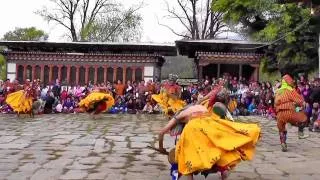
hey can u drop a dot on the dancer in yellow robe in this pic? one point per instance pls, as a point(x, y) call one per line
point(21, 101)
point(169, 97)
point(208, 143)
point(97, 102)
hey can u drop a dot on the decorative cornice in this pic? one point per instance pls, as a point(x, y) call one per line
point(228, 58)
point(83, 57)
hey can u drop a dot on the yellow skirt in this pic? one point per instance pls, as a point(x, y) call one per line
point(96, 97)
point(19, 103)
point(209, 141)
point(167, 103)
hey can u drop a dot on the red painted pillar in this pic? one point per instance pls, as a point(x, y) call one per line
point(124, 72)
point(87, 75)
point(77, 75)
point(33, 76)
point(95, 74)
point(142, 70)
point(59, 72)
point(24, 73)
point(114, 74)
point(68, 74)
point(133, 74)
point(105, 74)
point(17, 69)
point(50, 73)
point(42, 73)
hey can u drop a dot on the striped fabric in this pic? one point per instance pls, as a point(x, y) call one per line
point(288, 100)
point(289, 116)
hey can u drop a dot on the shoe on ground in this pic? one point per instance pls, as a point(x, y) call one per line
point(284, 147)
point(301, 135)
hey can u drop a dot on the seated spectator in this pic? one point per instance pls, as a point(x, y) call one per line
point(131, 106)
point(139, 105)
point(68, 106)
point(252, 108)
point(6, 109)
point(2, 99)
point(316, 124)
point(119, 106)
point(58, 108)
point(50, 100)
point(148, 108)
point(271, 112)
point(262, 108)
point(242, 108)
point(64, 95)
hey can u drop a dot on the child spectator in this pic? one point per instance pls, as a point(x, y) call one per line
point(148, 108)
point(64, 95)
point(68, 106)
point(252, 108)
point(131, 106)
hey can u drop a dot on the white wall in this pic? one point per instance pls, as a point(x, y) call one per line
point(11, 71)
point(12, 77)
point(148, 71)
point(11, 67)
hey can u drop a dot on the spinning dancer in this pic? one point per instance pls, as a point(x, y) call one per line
point(21, 101)
point(289, 108)
point(169, 97)
point(97, 101)
point(208, 143)
point(218, 99)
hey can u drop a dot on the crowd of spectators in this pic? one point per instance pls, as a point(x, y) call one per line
point(252, 98)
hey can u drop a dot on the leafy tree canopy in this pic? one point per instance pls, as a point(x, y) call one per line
point(289, 28)
point(25, 34)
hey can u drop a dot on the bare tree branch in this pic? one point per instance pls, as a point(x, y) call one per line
point(208, 10)
point(185, 13)
point(197, 18)
point(173, 31)
point(180, 18)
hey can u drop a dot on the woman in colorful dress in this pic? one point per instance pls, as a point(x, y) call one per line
point(169, 97)
point(97, 102)
point(208, 143)
point(21, 101)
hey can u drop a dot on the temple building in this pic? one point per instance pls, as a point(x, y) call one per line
point(82, 62)
point(76, 63)
point(214, 58)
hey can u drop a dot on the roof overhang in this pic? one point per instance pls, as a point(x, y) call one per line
point(92, 47)
point(190, 47)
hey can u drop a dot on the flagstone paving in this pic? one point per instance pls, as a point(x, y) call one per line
point(76, 147)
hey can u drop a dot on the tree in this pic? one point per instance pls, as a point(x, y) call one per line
point(288, 29)
point(25, 34)
point(3, 67)
point(87, 19)
point(196, 16)
point(117, 27)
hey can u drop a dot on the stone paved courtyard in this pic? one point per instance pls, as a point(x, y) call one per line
point(114, 148)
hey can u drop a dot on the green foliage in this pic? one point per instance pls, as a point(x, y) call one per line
point(116, 27)
point(289, 28)
point(25, 34)
point(3, 67)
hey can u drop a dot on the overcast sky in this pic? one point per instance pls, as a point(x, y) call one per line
point(20, 13)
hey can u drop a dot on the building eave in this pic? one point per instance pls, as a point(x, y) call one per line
point(91, 47)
